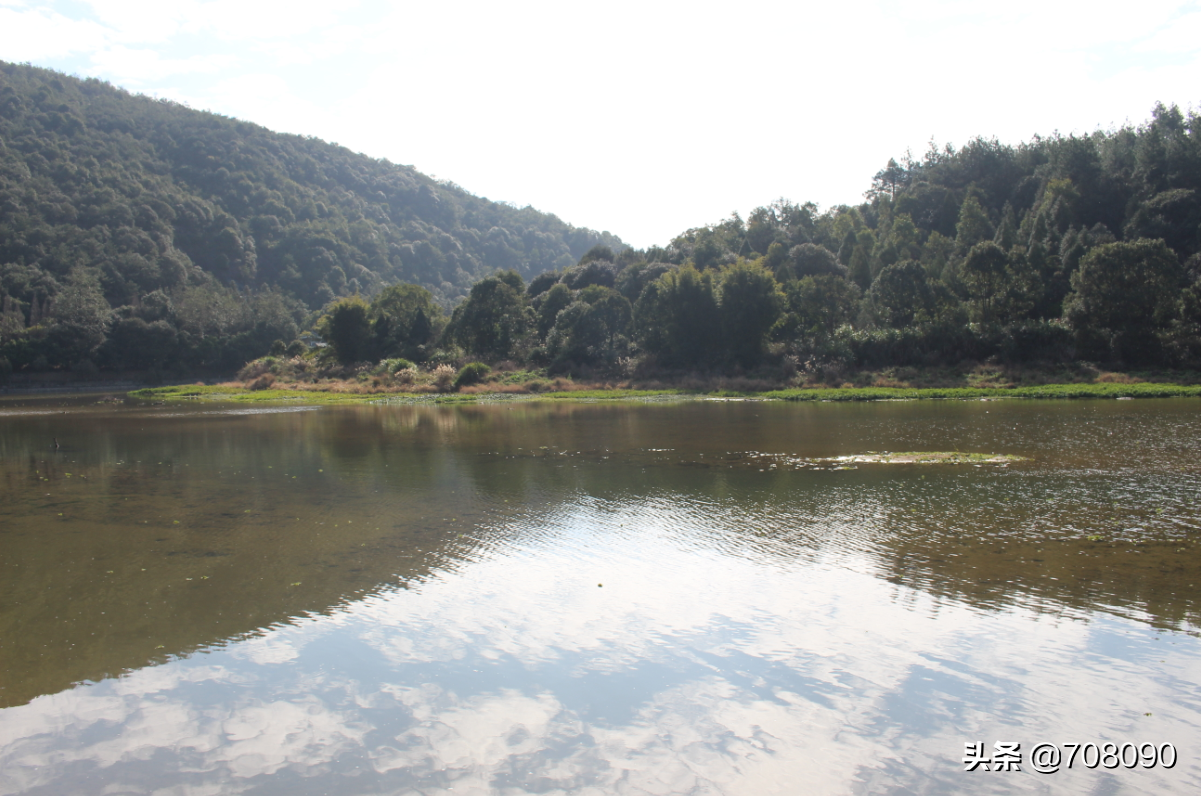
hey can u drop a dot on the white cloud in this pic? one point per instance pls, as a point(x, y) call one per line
point(274, 648)
point(1182, 35)
point(137, 67)
point(237, 20)
point(262, 739)
point(479, 733)
point(141, 21)
point(40, 34)
point(153, 22)
point(241, 739)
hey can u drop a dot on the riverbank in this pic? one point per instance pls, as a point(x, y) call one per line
point(289, 380)
point(239, 394)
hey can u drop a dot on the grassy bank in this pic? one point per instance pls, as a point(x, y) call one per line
point(1047, 391)
point(238, 394)
point(311, 380)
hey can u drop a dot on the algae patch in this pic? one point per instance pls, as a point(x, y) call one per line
point(928, 457)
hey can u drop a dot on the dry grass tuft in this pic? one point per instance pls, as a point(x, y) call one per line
point(493, 388)
point(444, 376)
point(1118, 378)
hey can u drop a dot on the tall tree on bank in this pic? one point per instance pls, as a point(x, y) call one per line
point(750, 303)
point(675, 317)
point(493, 319)
point(347, 329)
point(985, 273)
point(900, 296)
point(1123, 295)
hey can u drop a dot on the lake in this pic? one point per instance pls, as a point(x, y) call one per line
point(692, 597)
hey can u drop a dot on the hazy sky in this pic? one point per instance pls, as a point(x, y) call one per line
point(644, 118)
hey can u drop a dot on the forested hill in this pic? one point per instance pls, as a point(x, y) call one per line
point(147, 195)
point(1093, 240)
point(1077, 247)
point(136, 233)
point(1045, 202)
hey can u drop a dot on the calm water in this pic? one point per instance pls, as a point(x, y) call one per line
point(593, 599)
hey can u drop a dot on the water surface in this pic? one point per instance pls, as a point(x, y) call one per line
point(586, 598)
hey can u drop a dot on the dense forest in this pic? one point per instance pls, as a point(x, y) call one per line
point(1062, 248)
point(137, 233)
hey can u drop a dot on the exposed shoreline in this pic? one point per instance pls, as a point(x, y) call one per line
point(236, 394)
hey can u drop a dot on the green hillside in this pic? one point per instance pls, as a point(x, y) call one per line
point(136, 233)
point(1061, 247)
point(220, 231)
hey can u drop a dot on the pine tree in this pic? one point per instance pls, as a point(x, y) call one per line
point(973, 225)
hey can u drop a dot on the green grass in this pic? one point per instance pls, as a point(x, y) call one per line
point(609, 395)
point(968, 393)
point(448, 398)
point(1054, 391)
point(242, 395)
point(516, 376)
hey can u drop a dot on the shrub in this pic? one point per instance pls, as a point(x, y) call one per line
point(1036, 341)
point(472, 373)
point(442, 356)
point(396, 365)
point(443, 376)
point(256, 368)
point(263, 382)
point(405, 375)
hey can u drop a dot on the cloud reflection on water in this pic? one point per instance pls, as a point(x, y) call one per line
point(824, 632)
point(687, 672)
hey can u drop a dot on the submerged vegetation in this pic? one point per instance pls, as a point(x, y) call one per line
point(930, 457)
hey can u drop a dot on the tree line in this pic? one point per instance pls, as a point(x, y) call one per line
point(141, 234)
point(1061, 248)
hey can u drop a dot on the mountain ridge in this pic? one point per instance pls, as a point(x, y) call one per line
point(250, 206)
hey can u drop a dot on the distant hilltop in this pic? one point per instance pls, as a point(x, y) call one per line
point(151, 195)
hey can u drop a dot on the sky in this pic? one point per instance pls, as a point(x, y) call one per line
point(644, 119)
